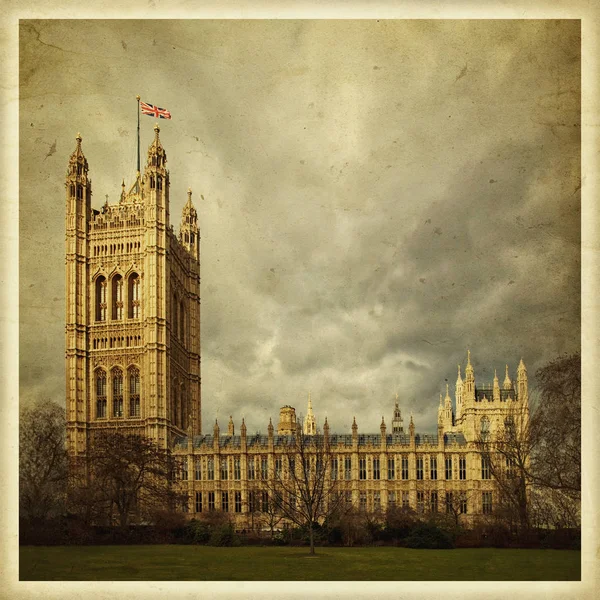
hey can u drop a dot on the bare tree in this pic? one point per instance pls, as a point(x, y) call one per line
point(126, 475)
point(42, 461)
point(304, 487)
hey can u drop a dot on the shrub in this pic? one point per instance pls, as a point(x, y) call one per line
point(427, 535)
point(224, 535)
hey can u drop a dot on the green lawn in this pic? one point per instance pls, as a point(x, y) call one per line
point(162, 563)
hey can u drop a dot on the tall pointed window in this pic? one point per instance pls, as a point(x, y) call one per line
point(485, 429)
point(181, 321)
point(100, 394)
point(134, 392)
point(175, 323)
point(134, 296)
point(101, 298)
point(184, 408)
point(117, 297)
point(175, 405)
point(117, 390)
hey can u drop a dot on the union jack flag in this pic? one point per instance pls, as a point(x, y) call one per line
point(154, 111)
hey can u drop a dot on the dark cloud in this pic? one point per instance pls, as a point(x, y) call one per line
point(361, 227)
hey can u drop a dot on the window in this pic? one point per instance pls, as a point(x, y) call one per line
point(449, 502)
point(252, 502)
point(377, 500)
point(405, 468)
point(448, 462)
point(462, 468)
point(117, 297)
point(101, 298)
point(292, 500)
point(362, 468)
point(420, 467)
point(405, 500)
point(391, 469)
point(185, 504)
point(348, 468)
point(211, 469)
point(264, 468)
point(509, 426)
point(117, 390)
point(485, 467)
point(291, 467)
point(486, 503)
point(376, 468)
point(198, 501)
point(363, 501)
point(225, 501)
point(462, 506)
point(238, 502)
point(197, 469)
point(237, 469)
point(433, 467)
point(510, 467)
point(278, 467)
point(224, 469)
point(392, 498)
point(211, 501)
point(420, 502)
point(485, 429)
point(334, 468)
point(265, 502)
point(251, 471)
point(348, 498)
point(133, 311)
point(433, 502)
point(181, 321)
point(184, 469)
point(100, 394)
point(134, 392)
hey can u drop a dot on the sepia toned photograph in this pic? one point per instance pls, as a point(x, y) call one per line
point(300, 300)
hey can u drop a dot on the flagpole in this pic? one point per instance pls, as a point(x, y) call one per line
point(138, 137)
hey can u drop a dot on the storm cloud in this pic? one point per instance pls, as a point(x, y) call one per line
point(374, 198)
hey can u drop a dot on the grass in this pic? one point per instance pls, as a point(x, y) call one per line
point(193, 563)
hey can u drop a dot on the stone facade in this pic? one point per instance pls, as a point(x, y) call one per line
point(133, 308)
point(374, 470)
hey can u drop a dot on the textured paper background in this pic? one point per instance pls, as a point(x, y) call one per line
point(589, 247)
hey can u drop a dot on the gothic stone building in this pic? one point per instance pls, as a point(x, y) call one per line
point(132, 309)
point(133, 363)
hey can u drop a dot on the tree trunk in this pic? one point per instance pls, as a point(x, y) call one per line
point(312, 538)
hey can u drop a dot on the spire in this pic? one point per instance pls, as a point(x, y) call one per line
point(447, 393)
point(469, 368)
point(507, 382)
point(354, 426)
point(310, 422)
point(270, 427)
point(157, 157)
point(521, 368)
point(230, 426)
point(458, 378)
point(243, 428)
point(216, 429)
point(441, 401)
point(78, 164)
point(188, 231)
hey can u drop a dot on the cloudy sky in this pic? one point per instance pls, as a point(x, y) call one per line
point(378, 196)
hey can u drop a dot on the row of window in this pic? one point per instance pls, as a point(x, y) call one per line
point(262, 502)
point(119, 306)
point(124, 247)
point(258, 468)
point(122, 396)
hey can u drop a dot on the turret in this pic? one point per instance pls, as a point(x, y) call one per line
point(411, 430)
point(216, 434)
point(230, 426)
point(496, 388)
point(243, 441)
point(447, 409)
point(156, 182)
point(469, 384)
point(441, 410)
point(189, 234)
point(507, 385)
point(459, 395)
point(522, 392)
point(310, 423)
point(383, 429)
point(397, 423)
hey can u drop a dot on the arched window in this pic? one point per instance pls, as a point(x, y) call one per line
point(509, 425)
point(134, 296)
point(134, 392)
point(181, 321)
point(101, 298)
point(175, 404)
point(117, 390)
point(184, 408)
point(485, 428)
point(117, 297)
point(175, 323)
point(100, 394)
